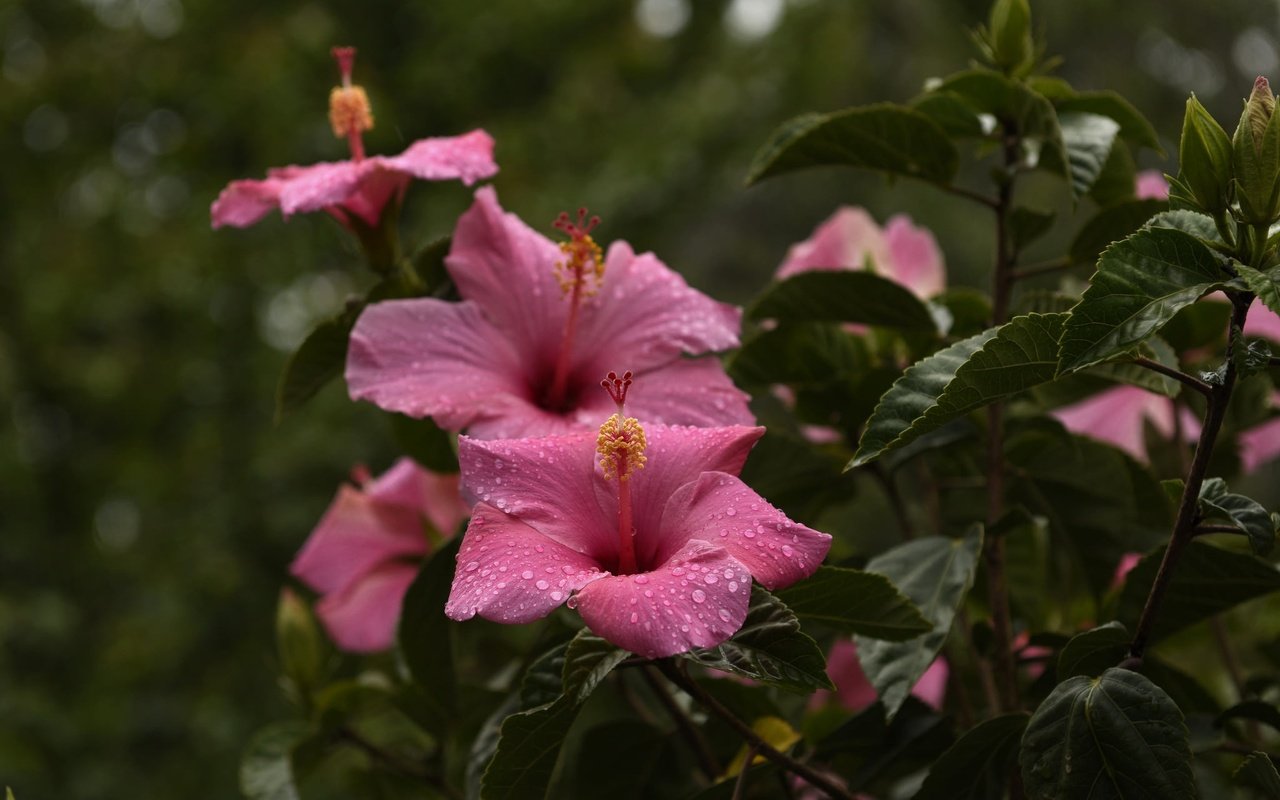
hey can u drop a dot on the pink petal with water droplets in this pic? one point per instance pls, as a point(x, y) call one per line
point(328, 183)
point(914, 258)
point(1116, 415)
point(355, 534)
point(467, 158)
point(1151, 185)
point(426, 357)
point(508, 572)
point(671, 609)
point(843, 241)
point(245, 202)
point(721, 508)
point(645, 315)
point(686, 391)
point(363, 617)
point(1260, 444)
point(410, 486)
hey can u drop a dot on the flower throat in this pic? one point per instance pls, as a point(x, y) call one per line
point(621, 445)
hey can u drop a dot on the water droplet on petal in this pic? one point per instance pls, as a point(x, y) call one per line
point(527, 574)
point(542, 585)
point(699, 596)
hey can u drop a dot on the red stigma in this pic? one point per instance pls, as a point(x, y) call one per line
point(617, 387)
point(579, 230)
point(346, 58)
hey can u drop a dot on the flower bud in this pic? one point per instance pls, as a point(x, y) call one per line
point(298, 643)
point(1205, 159)
point(1255, 150)
point(1010, 34)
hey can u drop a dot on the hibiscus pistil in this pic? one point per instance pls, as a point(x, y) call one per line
point(349, 111)
point(621, 445)
point(580, 274)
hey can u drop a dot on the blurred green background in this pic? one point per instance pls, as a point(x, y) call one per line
point(148, 505)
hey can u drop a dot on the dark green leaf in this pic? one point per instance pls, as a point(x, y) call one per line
point(1123, 371)
point(1009, 27)
point(1193, 222)
point(969, 308)
point(951, 113)
point(1140, 284)
point(844, 296)
point(1117, 183)
point(1111, 224)
point(853, 601)
point(935, 573)
point(1245, 513)
point(795, 476)
point(1115, 736)
point(1254, 710)
point(1266, 285)
point(1133, 126)
point(1197, 325)
point(1088, 139)
point(873, 746)
point(978, 765)
point(266, 770)
point(1258, 772)
point(797, 354)
point(958, 379)
point(425, 442)
point(1208, 581)
point(425, 633)
point(887, 138)
point(601, 773)
point(1027, 225)
point(319, 359)
point(770, 648)
point(1093, 652)
point(428, 264)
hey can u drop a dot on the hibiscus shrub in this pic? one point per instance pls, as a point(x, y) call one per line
point(650, 490)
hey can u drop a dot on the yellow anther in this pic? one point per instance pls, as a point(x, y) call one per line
point(621, 445)
point(583, 265)
point(349, 111)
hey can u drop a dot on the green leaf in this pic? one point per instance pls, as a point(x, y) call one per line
point(1014, 104)
point(969, 308)
point(319, 359)
point(1258, 772)
point(1197, 326)
point(795, 476)
point(1140, 284)
point(935, 573)
point(958, 379)
point(1117, 183)
point(1088, 140)
point(428, 265)
point(1133, 126)
point(770, 648)
point(913, 739)
point(854, 601)
point(1254, 710)
point(1266, 285)
point(1193, 222)
point(1111, 224)
point(426, 443)
point(425, 634)
point(806, 354)
point(1204, 158)
point(1208, 581)
point(888, 138)
point(266, 769)
point(529, 742)
point(1009, 25)
point(601, 773)
point(1115, 736)
point(1248, 515)
point(952, 114)
point(1122, 371)
point(844, 296)
point(1027, 225)
point(1093, 652)
point(978, 765)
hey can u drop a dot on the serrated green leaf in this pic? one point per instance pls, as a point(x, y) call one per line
point(1258, 772)
point(266, 769)
point(1248, 515)
point(978, 765)
point(1133, 125)
point(425, 633)
point(1115, 736)
point(854, 601)
point(1093, 652)
point(770, 648)
point(1208, 581)
point(887, 138)
point(935, 573)
point(1088, 140)
point(1111, 224)
point(1266, 285)
point(958, 379)
point(1123, 371)
point(843, 296)
point(1140, 284)
point(1193, 222)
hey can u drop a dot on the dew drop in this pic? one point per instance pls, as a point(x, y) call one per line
point(731, 511)
point(634, 618)
point(724, 614)
point(527, 574)
point(699, 596)
point(542, 585)
point(473, 566)
point(787, 551)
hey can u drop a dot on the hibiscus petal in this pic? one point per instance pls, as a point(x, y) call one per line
point(914, 258)
point(645, 315)
point(1263, 322)
point(508, 572)
point(549, 483)
point(687, 391)
point(355, 534)
point(328, 183)
point(426, 357)
point(1260, 444)
point(721, 508)
point(435, 495)
point(467, 158)
point(245, 202)
point(1115, 416)
point(363, 617)
point(843, 241)
point(674, 608)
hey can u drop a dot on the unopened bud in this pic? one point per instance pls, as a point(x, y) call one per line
point(298, 643)
point(1255, 154)
point(1010, 39)
point(1205, 159)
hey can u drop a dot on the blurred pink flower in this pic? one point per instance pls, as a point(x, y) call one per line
point(1151, 185)
point(655, 546)
point(850, 239)
point(367, 548)
point(855, 692)
point(1116, 416)
point(539, 324)
point(361, 187)
point(1261, 443)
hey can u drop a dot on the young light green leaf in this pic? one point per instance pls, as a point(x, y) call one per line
point(1133, 126)
point(770, 648)
point(1009, 26)
point(266, 769)
point(1088, 140)
point(1258, 772)
point(885, 137)
point(958, 379)
point(843, 296)
point(935, 573)
point(1140, 284)
point(1117, 736)
point(854, 601)
point(1093, 652)
point(1266, 285)
point(978, 765)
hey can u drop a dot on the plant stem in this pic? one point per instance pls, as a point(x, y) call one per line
point(707, 760)
point(740, 785)
point(1184, 527)
point(679, 678)
point(1202, 529)
point(1181, 377)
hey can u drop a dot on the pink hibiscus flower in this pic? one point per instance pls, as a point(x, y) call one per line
point(1116, 416)
point(851, 239)
point(655, 544)
point(1151, 185)
point(367, 548)
point(359, 188)
point(1261, 443)
point(539, 324)
point(854, 692)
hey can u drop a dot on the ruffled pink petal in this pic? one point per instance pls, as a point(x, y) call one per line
point(1262, 322)
point(467, 158)
point(245, 202)
point(370, 195)
point(508, 572)
point(1151, 185)
point(1115, 416)
point(410, 486)
point(844, 241)
point(674, 608)
point(721, 508)
point(549, 483)
point(328, 183)
point(645, 315)
point(356, 534)
point(363, 617)
point(426, 357)
point(1260, 444)
point(687, 391)
point(914, 258)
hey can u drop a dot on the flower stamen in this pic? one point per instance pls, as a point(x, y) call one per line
point(350, 114)
point(580, 275)
point(621, 445)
